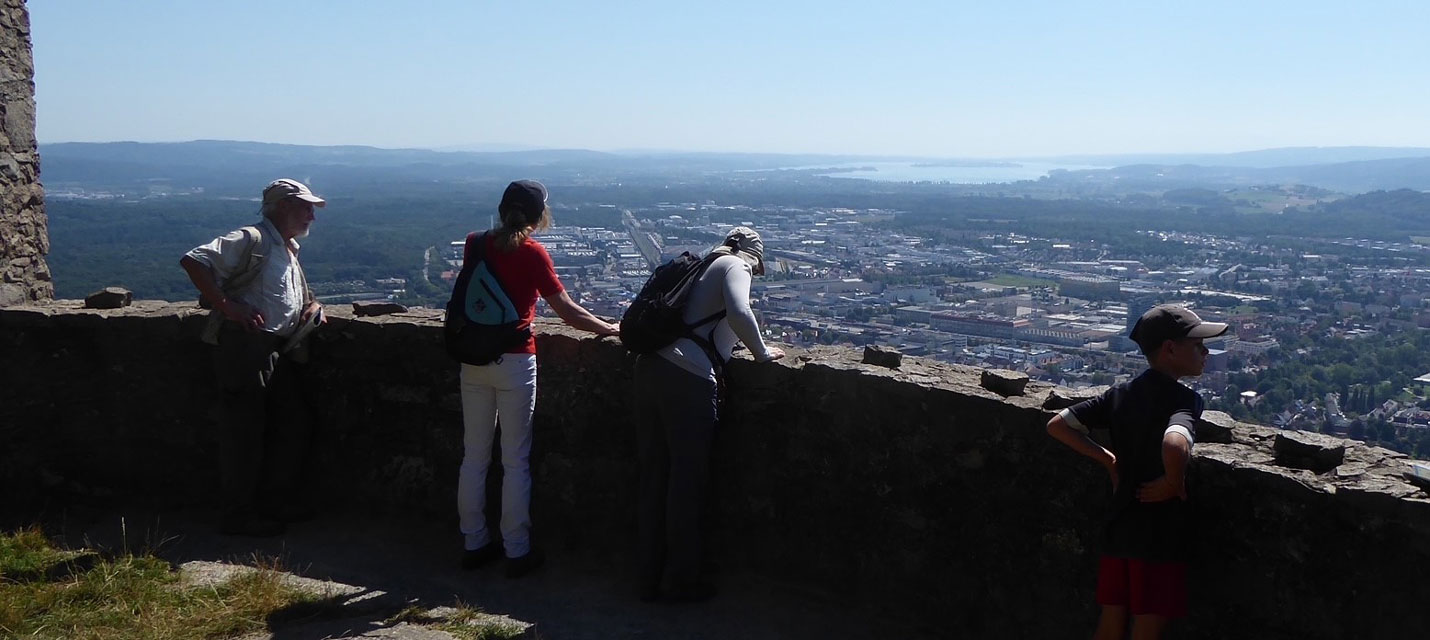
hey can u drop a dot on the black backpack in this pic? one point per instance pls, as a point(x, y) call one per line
point(481, 323)
point(654, 318)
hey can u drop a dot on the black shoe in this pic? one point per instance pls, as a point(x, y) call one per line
point(690, 593)
point(518, 567)
point(478, 558)
point(250, 525)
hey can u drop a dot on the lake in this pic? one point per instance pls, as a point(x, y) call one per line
point(1000, 171)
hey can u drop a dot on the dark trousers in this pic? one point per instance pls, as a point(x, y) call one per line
point(266, 424)
point(675, 426)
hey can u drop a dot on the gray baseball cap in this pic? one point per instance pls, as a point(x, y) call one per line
point(1170, 322)
point(282, 188)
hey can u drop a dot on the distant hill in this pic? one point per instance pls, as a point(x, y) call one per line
point(1344, 177)
point(222, 167)
point(1259, 159)
point(228, 152)
point(1403, 210)
point(211, 162)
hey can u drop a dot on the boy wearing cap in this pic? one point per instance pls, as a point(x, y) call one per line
point(1142, 571)
point(253, 281)
point(676, 416)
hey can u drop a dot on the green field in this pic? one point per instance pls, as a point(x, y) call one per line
point(1014, 280)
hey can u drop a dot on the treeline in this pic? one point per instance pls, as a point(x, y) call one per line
point(137, 244)
point(378, 228)
point(1365, 372)
point(1381, 215)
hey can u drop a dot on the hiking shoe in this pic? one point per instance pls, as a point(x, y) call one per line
point(478, 558)
point(518, 567)
point(250, 525)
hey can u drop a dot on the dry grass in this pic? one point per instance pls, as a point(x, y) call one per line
point(466, 622)
point(132, 596)
point(471, 623)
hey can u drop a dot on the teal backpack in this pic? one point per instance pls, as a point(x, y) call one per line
point(481, 323)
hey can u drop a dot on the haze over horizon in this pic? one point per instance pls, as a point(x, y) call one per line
point(905, 78)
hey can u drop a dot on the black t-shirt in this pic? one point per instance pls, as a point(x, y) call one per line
point(1139, 413)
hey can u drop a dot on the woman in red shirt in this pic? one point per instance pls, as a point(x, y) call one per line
point(507, 387)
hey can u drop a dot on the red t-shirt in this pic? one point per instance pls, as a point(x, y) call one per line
point(526, 274)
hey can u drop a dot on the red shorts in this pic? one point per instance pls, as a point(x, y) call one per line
point(1144, 587)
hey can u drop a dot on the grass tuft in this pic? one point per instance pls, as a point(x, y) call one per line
point(129, 597)
point(26, 553)
point(471, 623)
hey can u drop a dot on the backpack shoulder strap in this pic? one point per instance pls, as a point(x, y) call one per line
point(695, 274)
point(248, 269)
point(706, 343)
point(253, 259)
point(476, 246)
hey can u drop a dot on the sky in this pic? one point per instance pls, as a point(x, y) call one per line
point(943, 78)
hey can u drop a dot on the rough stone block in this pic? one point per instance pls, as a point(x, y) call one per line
point(1063, 397)
point(1310, 451)
point(1003, 382)
point(879, 356)
point(1215, 426)
point(367, 308)
point(12, 294)
point(109, 298)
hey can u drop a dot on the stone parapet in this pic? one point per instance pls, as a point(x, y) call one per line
point(24, 241)
point(912, 490)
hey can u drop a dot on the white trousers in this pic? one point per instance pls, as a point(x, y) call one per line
point(505, 390)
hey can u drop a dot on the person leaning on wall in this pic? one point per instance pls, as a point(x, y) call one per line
point(676, 413)
point(506, 388)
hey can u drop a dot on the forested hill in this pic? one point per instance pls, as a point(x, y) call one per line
point(221, 164)
point(1394, 215)
point(224, 165)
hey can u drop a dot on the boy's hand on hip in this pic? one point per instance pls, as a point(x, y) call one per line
point(1109, 462)
point(1161, 490)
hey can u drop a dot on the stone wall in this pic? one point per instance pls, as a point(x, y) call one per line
point(914, 491)
point(23, 238)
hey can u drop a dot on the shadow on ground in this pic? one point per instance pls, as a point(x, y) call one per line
point(415, 562)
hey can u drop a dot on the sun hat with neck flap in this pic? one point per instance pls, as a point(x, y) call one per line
point(746, 243)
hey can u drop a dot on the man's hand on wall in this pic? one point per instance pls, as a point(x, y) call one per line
point(308, 311)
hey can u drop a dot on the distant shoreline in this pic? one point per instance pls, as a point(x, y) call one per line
point(967, 163)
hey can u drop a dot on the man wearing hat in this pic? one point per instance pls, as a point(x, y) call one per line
point(676, 409)
point(262, 306)
point(1152, 419)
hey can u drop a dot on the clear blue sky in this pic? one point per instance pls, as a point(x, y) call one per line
point(951, 79)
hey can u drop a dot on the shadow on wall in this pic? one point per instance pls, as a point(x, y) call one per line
point(913, 490)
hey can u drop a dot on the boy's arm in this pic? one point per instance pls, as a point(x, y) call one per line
point(1176, 451)
point(1079, 441)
